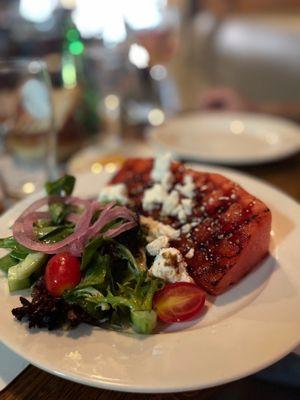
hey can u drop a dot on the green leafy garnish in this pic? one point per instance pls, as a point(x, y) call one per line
point(61, 187)
point(90, 299)
point(122, 252)
point(96, 273)
point(121, 283)
point(138, 299)
point(90, 250)
point(6, 262)
point(11, 243)
point(58, 234)
point(18, 252)
point(115, 287)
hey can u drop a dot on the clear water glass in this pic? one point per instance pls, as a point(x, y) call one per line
point(27, 135)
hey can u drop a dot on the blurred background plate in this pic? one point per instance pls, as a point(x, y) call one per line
point(228, 138)
point(95, 159)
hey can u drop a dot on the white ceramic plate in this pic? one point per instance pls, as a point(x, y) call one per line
point(84, 160)
point(228, 138)
point(248, 328)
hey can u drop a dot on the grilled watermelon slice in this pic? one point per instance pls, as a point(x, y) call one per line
point(233, 227)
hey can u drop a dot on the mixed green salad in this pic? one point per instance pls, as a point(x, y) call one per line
point(86, 262)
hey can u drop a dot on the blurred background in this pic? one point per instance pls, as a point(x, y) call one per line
point(114, 69)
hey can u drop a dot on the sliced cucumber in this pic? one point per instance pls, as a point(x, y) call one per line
point(143, 321)
point(19, 274)
point(18, 284)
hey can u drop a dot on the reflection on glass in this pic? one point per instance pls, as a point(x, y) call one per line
point(158, 72)
point(237, 127)
point(26, 127)
point(138, 56)
point(156, 117)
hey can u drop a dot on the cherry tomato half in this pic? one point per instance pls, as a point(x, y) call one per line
point(178, 301)
point(62, 272)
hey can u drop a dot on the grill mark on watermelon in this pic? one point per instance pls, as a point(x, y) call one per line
point(230, 221)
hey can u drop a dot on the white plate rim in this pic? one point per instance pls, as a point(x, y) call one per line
point(179, 385)
point(154, 135)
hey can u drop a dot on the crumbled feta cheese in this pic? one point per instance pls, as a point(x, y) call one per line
point(183, 210)
point(167, 180)
point(117, 192)
point(181, 214)
point(173, 207)
point(155, 229)
point(170, 203)
point(170, 266)
point(187, 205)
point(190, 253)
point(156, 245)
point(161, 167)
point(225, 198)
point(153, 196)
point(186, 228)
point(188, 187)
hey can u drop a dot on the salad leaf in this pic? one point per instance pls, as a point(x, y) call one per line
point(141, 259)
point(11, 243)
point(44, 231)
point(42, 223)
point(59, 211)
point(58, 234)
point(19, 255)
point(136, 297)
point(123, 283)
point(139, 301)
point(119, 319)
point(61, 187)
point(96, 273)
point(90, 299)
point(90, 250)
point(18, 251)
point(6, 262)
point(122, 252)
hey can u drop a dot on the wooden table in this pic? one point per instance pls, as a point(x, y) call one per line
point(35, 384)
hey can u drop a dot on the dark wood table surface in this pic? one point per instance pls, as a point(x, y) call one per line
point(34, 384)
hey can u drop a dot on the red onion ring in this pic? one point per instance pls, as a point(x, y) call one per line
point(109, 214)
point(120, 229)
point(21, 226)
point(23, 230)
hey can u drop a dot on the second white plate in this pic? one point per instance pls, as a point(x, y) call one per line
point(228, 138)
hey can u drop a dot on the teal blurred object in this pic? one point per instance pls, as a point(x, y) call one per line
point(74, 73)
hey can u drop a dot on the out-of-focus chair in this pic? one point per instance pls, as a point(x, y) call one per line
point(259, 55)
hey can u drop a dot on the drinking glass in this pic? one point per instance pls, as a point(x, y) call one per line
point(27, 136)
point(160, 37)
